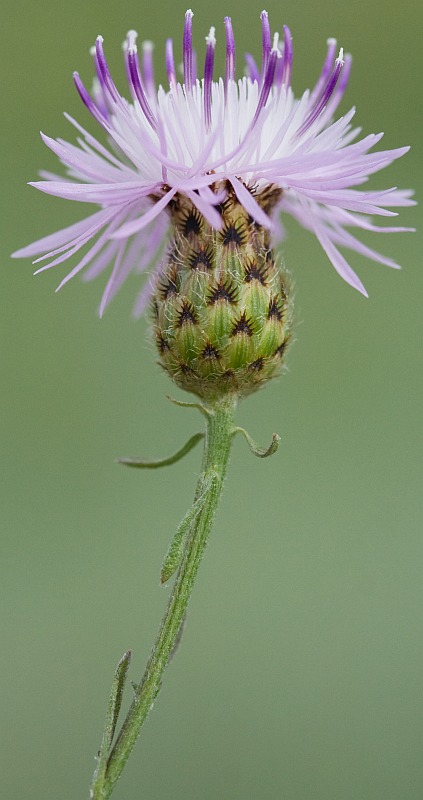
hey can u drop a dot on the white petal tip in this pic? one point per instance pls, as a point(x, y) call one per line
point(130, 43)
point(340, 59)
point(100, 39)
point(189, 13)
point(331, 41)
point(211, 38)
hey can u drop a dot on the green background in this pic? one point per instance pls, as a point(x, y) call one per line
point(300, 674)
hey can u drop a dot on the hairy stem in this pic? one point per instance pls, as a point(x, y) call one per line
point(209, 487)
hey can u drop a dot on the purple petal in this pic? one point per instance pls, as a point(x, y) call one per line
point(341, 265)
point(250, 204)
point(101, 241)
point(137, 225)
point(208, 211)
point(109, 290)
point(99, 264)
point(62, 237)
point(346, 239)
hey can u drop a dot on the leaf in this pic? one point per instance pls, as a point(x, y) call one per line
point(184, 404)
point(113, 708)
point(174, 554)
point(141, 463)
point(260, 452)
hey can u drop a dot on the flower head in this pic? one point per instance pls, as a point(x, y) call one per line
point(202, 140)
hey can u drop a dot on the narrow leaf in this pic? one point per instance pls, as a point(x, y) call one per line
point(113, 708)
point(142, 463)
point(260, 452)
point(178, 639)
point(184, 404)
point(174, 554)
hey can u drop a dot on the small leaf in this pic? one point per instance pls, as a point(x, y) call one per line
point(174, 554)
point(178, 639)
point(113, 708)
point(260, 452)
point(141, 463)
point(199, 406)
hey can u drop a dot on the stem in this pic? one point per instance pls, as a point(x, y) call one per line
point(210, 483)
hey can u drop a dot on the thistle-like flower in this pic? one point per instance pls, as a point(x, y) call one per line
point(207, 169)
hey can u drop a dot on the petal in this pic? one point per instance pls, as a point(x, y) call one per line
point(137, 225)
point(250, 204)
point(63, 237)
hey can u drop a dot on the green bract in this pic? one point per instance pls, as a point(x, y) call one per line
point(221, 310)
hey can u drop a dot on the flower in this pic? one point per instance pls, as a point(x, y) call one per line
point(199, 139)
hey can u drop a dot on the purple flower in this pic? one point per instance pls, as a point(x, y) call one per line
point(200, 134)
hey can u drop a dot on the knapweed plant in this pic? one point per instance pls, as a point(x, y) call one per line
point(192, 182)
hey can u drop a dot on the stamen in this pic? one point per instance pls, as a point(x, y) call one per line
point(266, 39)
point(331, 43)
point(88, 101)
point(147, 65)
point(98, 89)
point(208, 75)
point(131, 36)
point(187, 48)
point(325, 96)
point(342, 85)
point(253, 70)
point(284, 65)
point(104, 73)
point(287, 56)
point(340, 88)
point(230, 52)
point(135, 79)
point(170, 64)
point(269, 78)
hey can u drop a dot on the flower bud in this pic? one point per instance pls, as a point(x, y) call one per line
point(221, 313)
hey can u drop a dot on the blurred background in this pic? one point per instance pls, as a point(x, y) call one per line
point(300, 674)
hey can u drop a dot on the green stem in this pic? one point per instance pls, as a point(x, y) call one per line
point(216, 453)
